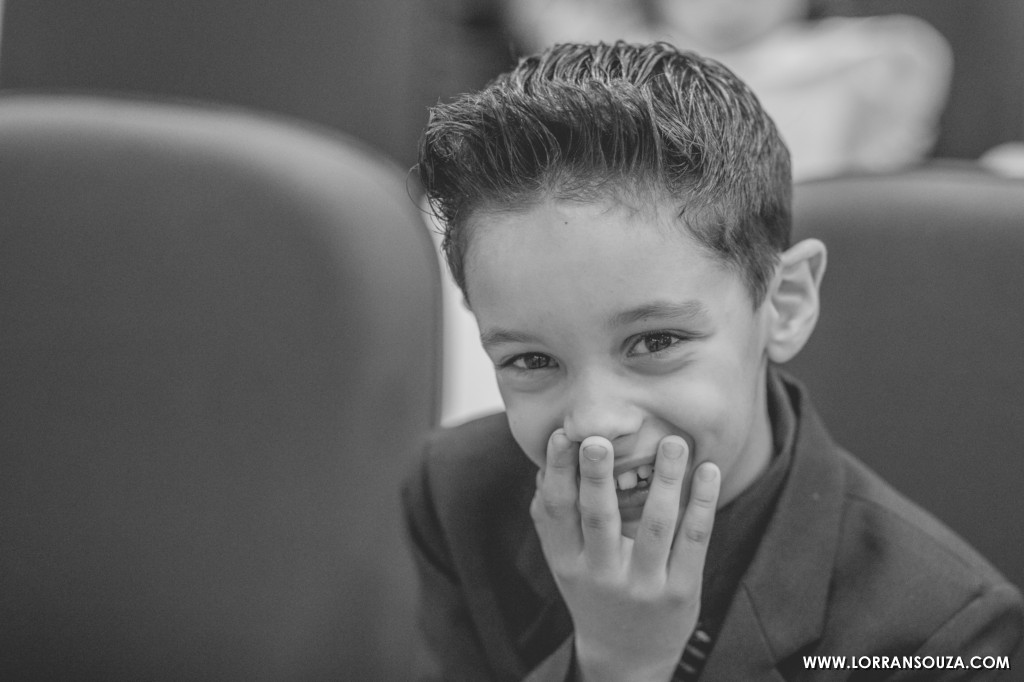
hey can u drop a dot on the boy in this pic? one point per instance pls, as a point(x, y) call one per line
point(658, 501)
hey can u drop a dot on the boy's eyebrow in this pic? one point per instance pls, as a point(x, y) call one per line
point(493, 337)
point(695, 310)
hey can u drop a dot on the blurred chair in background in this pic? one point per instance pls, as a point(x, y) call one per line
point(220, 338)
point(357, 67)
point(917, 362)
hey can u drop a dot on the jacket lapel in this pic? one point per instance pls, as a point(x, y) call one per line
point(779, 608)
point(552, 623)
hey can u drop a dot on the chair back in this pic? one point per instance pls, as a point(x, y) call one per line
point(219, 339)
point(917, 363)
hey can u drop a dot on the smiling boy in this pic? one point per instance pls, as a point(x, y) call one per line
point(658, 501)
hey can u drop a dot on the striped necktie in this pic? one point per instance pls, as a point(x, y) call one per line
point(694, 656)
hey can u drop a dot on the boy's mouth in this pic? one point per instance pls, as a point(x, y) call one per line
point(631, 488)
point(638, 477)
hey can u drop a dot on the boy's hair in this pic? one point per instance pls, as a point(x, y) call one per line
point(583, 121)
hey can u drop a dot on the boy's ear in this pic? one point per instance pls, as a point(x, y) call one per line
point(794, 300)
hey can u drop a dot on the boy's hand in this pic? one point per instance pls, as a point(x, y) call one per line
point(634, 603)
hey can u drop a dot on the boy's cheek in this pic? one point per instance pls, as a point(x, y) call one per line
point(531, 438)
point(531, 425)
point(708, 411)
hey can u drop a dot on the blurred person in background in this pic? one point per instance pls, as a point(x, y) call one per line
point(1006, 159)
point(848, 94)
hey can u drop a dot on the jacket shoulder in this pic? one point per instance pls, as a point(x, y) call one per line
point(880, 518)
point(899, 566)
point(470, 473)
point(474, 454)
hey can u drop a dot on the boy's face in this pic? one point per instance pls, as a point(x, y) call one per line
point(605, 320)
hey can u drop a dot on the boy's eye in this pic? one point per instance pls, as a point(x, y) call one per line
point(530, 361)
point(653, 343)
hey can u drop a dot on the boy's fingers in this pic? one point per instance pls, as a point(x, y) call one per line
point(686, 565)
point(554, 508)
point(599, 505)
point(661, 511)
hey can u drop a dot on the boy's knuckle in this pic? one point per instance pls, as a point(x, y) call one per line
point(556, 509)
point(551, 506)
point(666, 479)
point(601, 579)
point(696, 534)
point(538, 510)
point(561, 463)
point(595, 519)
point(703, 500)
point(646, 592)
point(681, 594)
point(658, 527)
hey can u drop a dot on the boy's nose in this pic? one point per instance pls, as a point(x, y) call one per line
point(599, 406)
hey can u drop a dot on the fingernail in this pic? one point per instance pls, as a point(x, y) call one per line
point(673, 449)
point(595, 453)
point(706, 472)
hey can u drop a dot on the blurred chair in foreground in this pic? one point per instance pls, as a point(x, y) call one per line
point(918, 362)
point(219, 335)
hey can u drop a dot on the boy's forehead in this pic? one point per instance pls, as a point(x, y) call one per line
point(655, 214)
point(634, 195)
point(580, 226)
point(585, 248)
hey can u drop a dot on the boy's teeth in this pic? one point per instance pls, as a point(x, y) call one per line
point(627, 480)
point(644, 471)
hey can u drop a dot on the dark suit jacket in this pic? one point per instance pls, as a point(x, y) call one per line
point(846, 567)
